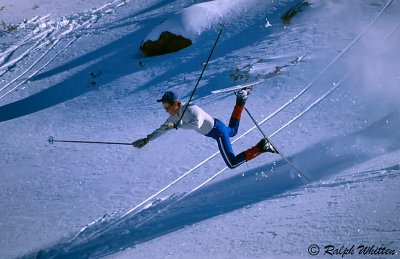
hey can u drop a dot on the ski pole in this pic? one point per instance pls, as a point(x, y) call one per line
point(51, 140)
point(201, 74)
point(300, 174)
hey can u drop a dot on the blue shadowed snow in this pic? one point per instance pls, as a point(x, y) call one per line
point(236, 192)
point(81, 76)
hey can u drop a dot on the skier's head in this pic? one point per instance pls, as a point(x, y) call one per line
point(168, 96)
point(170, 102)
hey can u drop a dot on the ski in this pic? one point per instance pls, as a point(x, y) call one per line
point(276, 71)
point(237, 87)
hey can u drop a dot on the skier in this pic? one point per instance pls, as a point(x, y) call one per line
point(197, 119)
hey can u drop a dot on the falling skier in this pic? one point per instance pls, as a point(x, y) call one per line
point(197, 119)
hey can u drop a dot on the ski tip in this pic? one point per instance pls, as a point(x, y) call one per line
point(300, 58)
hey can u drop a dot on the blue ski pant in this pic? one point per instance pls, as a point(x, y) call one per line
point(222, 134)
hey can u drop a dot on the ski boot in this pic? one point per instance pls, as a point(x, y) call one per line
point(266, 146)
point(242, 95)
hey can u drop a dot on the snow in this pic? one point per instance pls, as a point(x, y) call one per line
point(78, 74)
point(192, 21)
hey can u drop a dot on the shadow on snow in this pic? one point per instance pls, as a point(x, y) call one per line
point(119, 53)
point(318, 161)
point(113, 54)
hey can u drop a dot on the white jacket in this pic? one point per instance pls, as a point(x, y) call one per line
point(194, 118)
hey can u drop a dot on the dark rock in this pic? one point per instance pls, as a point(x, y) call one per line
point(166, 43)
point(288, 15)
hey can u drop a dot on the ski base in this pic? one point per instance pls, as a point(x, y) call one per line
point(277, 70)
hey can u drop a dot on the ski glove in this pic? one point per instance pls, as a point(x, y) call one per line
point(140, 143)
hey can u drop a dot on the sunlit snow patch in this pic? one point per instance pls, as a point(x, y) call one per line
point(183, 28)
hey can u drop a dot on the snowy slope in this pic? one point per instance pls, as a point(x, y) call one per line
point(192, 21)
point(78, 74)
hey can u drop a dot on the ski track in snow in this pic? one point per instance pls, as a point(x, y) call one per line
point(157, 216)
point(312, 105)
point(50, 33)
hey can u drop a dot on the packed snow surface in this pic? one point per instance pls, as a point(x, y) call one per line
point(73, 70)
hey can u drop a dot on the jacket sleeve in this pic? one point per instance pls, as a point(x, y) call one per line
point(160, 131)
